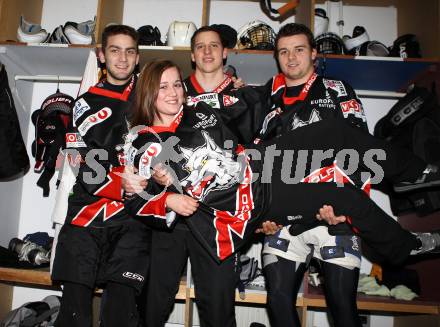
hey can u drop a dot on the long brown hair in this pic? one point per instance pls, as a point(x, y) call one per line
point(147, 90)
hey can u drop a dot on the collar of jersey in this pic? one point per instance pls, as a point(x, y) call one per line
point(199, 88)
point(123, 96)
point(160, 129)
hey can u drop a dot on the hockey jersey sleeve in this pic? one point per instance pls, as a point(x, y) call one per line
point(150, 207)
point(243, 113)
point(96, 165)
point(350, 107)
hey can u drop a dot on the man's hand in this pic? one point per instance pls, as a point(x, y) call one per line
point(238, 82)
point(131, 182)
point(182, 204)
point(268, 228)
point(327, 213)
point(161, 175)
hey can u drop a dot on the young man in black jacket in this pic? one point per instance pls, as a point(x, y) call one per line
point(99, 244)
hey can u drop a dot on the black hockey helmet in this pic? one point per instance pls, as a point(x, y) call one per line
point(149, 35)
point(329, 43)
point(406, 46)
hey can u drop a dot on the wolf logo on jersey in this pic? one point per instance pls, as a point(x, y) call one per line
point(210, 168)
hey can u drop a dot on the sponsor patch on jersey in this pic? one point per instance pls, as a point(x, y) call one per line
point(209, 98)
point(337, 86)
point(229, 100)
point(206, 121)
point(353, 107)
point(94, 119)
point(145, 161)
point(323, 103)
point(81, 106)
point(74, 140)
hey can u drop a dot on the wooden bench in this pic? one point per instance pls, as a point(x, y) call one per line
point(312, 297)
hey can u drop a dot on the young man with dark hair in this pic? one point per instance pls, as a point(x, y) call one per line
point(99, 244)
point(299, 97)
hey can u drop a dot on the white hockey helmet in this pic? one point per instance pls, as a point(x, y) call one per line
point(30, 33)
point(180, 33)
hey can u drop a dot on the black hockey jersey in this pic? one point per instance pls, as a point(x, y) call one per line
point(242, 122)
point(219, 176)
point(319, 98)
point(96, 152)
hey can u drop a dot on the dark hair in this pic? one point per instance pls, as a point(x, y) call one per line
point(294, 29)
point(111, 30)
point(147, 90)
point(206, 29)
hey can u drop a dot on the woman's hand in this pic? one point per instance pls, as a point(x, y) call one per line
point(182, 204)
point(161, 175)
point(131, 182)
point(238, 82)
point(268, 228)
point(327, 213)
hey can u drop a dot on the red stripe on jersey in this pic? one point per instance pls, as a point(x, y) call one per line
point(225, 222)
point(112, 189)
point(88, 213)
point(155, 206)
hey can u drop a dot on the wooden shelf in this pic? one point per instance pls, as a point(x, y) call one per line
point(315, 298)
point(312, 297)
point(41, 278)
point(26, 276)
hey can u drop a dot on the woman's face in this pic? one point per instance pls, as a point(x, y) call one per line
point(170, 97)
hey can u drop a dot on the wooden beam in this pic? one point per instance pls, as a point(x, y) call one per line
point(205, 12)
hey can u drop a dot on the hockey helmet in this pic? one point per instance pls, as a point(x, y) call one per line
point(180, 33)
point(321, 22)
point(149, 35)
point(329, 43)
point(406, 46)
point(359, 36)
point(227, 33)
point(372, 48)
point(256, 35)
point(30, 33)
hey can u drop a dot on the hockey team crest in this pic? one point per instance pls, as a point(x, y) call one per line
point(210, 168)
